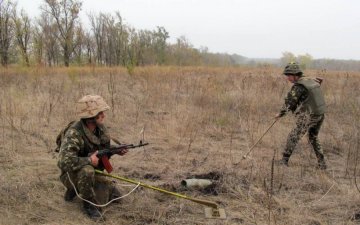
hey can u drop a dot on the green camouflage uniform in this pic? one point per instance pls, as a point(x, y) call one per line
point(306, 122)
point(76, 146)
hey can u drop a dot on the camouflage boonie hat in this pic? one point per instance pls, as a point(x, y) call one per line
point(292, 68)
point(90, 105)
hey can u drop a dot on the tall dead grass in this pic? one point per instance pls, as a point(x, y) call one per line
point(197, 120)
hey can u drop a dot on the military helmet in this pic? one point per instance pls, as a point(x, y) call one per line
point(90, 105)
point(293, 68)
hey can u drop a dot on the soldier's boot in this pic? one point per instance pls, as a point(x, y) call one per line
point(92, 211)
point(69, 195)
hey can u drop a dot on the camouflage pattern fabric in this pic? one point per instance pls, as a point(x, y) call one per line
point(306, 123)
point(292, 68)
point(76, 146)
point(294, 98)
point(88, 184)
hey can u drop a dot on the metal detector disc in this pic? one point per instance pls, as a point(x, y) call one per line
point(215, 213)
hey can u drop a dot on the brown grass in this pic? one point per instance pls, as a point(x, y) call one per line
point(197, 120)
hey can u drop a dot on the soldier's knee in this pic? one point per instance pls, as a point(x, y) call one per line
point(87, 172)
point(65, 180)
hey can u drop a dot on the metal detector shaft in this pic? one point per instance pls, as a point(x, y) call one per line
point(199, 201)
point(252, 147)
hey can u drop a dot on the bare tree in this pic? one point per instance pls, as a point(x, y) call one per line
point(98, 28)
point(38, 45)
point(48, 35)
point(22, 33)
point(58, 36)
point(111, 38)
point(160, 37)
point(132, 49)
point(66, 14)
point(287, 57)
point(90, 48)
point(79, 44)
point(145, 51)
point(6, 30)
point(122, 35)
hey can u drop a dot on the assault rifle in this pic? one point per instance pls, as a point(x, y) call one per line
point(105, 154)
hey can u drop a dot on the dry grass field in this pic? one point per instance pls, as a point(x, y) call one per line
point(198, 120)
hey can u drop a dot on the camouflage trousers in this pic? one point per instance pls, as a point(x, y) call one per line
point(89, 185)
point(306, 123)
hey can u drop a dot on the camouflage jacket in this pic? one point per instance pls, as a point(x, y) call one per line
point(78, 143)
point(296, 96)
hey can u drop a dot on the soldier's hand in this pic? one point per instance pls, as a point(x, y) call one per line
point(94, 159)
point(277, 116)
point(123, 151)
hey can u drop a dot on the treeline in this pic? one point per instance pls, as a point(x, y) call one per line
point(306, 61)
point(57, 37)
point(335, 64)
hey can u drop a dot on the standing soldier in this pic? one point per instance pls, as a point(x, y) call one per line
point(306, 100)
point(78, 149)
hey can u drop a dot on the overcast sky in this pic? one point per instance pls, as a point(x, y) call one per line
point(252, 28)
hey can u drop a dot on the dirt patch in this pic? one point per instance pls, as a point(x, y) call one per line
point(152, 177)
point(212, 189)
point(213, 175)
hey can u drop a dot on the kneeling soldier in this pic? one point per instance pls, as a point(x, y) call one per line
point(78, 149)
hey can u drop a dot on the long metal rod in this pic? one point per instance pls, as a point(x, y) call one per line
point(252, 147)
point(200, 201)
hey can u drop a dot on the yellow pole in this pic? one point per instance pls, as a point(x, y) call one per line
point(200, 201)
point(252, 147)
